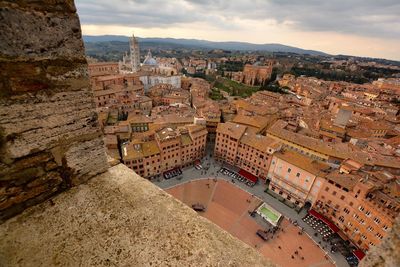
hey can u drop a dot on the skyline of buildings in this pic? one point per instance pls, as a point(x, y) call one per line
point(328, 146)
point(350, 28)
point(288, 159)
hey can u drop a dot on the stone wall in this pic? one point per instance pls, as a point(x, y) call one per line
point(119, 219)
point(387, 253)
point(49, 134)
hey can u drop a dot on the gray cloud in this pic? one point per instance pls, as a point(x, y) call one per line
point(360, 17)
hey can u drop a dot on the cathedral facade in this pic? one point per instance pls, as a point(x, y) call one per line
point(131, 63)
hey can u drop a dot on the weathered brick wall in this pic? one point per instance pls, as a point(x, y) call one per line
point(49, 134)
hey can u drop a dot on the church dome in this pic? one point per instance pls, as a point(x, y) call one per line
point(149, 60)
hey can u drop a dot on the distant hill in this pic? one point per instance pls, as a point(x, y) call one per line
point(201, 44)
point(105, 38)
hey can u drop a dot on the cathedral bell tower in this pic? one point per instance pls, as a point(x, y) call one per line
point(135, 53)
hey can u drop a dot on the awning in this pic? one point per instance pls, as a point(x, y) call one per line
point(248, 176)
point(359, 254)
point(173, 169)
point(321, 217)
point(343, 236)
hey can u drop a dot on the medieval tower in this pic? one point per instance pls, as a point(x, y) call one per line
point(135, 53)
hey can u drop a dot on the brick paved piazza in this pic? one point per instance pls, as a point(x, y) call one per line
point(228, 206)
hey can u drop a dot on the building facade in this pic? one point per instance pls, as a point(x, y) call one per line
point(363, 205)
point(169, 149)
point(252, 74)
point(238, 146)
point(151, 79)
point(102, 68)
point(296, 177)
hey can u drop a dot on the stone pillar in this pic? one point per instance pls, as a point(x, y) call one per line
point(49, 134)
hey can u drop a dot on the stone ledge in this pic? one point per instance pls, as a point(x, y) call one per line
point(387, 253)
point(119, 218)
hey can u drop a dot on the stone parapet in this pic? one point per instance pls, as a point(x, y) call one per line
point(387, 253)
point(119, 219)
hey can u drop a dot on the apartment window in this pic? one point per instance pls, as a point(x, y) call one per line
point(351, 204)
point(385, 228)
point(371, 244)
point(361, 208)
point(377, 221)
point(289, 170)
point(363, 237)
point(334, 193)
point(298, 175)
point(346, 211)
point(326, 189)
point(370, 229)
point(342, 197)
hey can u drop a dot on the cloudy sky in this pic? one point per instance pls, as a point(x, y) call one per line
point(354, 27)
